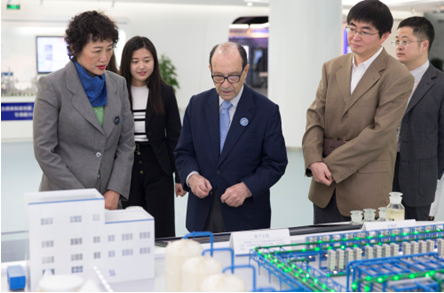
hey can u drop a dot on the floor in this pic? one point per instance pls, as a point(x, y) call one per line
point(21, 174)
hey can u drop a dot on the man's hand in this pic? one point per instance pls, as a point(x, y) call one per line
point(111, 200)
point(235, 195)
point(321, 173)
point(199, 185)
point(179, 190)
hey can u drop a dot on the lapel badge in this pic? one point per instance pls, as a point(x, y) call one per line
point(117, 120)
point(244, 121)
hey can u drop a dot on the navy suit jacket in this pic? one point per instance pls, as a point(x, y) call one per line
point(422, 140)
point(254, 154)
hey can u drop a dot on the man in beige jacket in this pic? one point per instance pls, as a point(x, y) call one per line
point(350, 141)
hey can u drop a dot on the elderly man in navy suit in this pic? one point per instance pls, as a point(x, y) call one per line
point(420, 159)
point(231, 149)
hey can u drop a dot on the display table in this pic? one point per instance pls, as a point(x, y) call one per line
point(413, 260)
point(158, 283)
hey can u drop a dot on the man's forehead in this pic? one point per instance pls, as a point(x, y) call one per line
point(226, 56)
point(362, 24)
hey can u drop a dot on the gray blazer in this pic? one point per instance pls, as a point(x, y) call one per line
point(422, 140)
point(71, 147)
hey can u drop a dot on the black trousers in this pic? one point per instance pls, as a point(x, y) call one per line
point(420, 213)
point(153, 190)
point(215, 222)
point(329, 214)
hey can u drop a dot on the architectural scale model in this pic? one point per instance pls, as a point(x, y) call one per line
point(396, 260)
point(70, 232)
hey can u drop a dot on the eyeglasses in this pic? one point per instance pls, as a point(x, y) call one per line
point(353, 31)
point(403, 43)
point(230, 78)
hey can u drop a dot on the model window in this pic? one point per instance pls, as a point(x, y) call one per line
point(76, 241)
point(77, 256)
point(78, 269)
point(112, 273)
point(110, 238)
point(127, 252)
point(48, 259)
point(96, 255)
point(76, 219)
point(46, 221)
point(96, 217)
point(128, 236)
point(144, 235)
point(51, 270)
point(96, 239)
point(144, 250)
point(111, 253)
point(48, 243)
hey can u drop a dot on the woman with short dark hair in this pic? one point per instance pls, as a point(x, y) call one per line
point(83, 127)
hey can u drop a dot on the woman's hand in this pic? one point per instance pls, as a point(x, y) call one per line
point(111, 200)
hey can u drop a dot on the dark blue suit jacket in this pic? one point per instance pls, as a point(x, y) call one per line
point(254, 154)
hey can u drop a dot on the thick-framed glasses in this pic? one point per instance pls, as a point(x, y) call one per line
point(353, 31)
point(230, 78)
point(403, 43)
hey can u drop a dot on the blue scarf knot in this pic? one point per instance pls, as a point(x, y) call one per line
point(95, 87)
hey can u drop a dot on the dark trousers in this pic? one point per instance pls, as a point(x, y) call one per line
point(329, 214)
point(420, 213)
point(153, 190)
point(215, 222)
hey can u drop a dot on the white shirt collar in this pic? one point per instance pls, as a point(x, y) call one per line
point(235, 100)
point(368, 62)
point(419, 72)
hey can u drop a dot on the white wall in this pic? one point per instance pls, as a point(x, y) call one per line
point(298, 47)
point(185, 33)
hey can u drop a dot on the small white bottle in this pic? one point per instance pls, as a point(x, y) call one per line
point(369, 215)
point(382, 216)
point(395, 210)
point(356, 217)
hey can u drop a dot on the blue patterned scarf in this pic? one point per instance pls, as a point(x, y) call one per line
point(95, 87)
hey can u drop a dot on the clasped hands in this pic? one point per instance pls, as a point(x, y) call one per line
point(321, 173)
point(234, 196)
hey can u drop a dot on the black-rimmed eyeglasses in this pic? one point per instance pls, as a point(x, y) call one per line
point(230, 78)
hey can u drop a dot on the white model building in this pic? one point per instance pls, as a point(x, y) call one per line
point(70, 232)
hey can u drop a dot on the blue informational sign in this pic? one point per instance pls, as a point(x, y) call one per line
point(17, 111)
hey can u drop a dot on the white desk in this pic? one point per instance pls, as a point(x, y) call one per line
point(263, 280)
point(158, 283)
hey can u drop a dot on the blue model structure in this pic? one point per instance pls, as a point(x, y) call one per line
point(16, 277)
point(396, 260)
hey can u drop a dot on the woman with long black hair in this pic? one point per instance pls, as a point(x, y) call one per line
point(157, 128)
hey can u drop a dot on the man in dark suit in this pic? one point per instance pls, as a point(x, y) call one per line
point(420, 158)
point(231, 149)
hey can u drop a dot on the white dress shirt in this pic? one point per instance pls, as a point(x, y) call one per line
point(358, 71)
